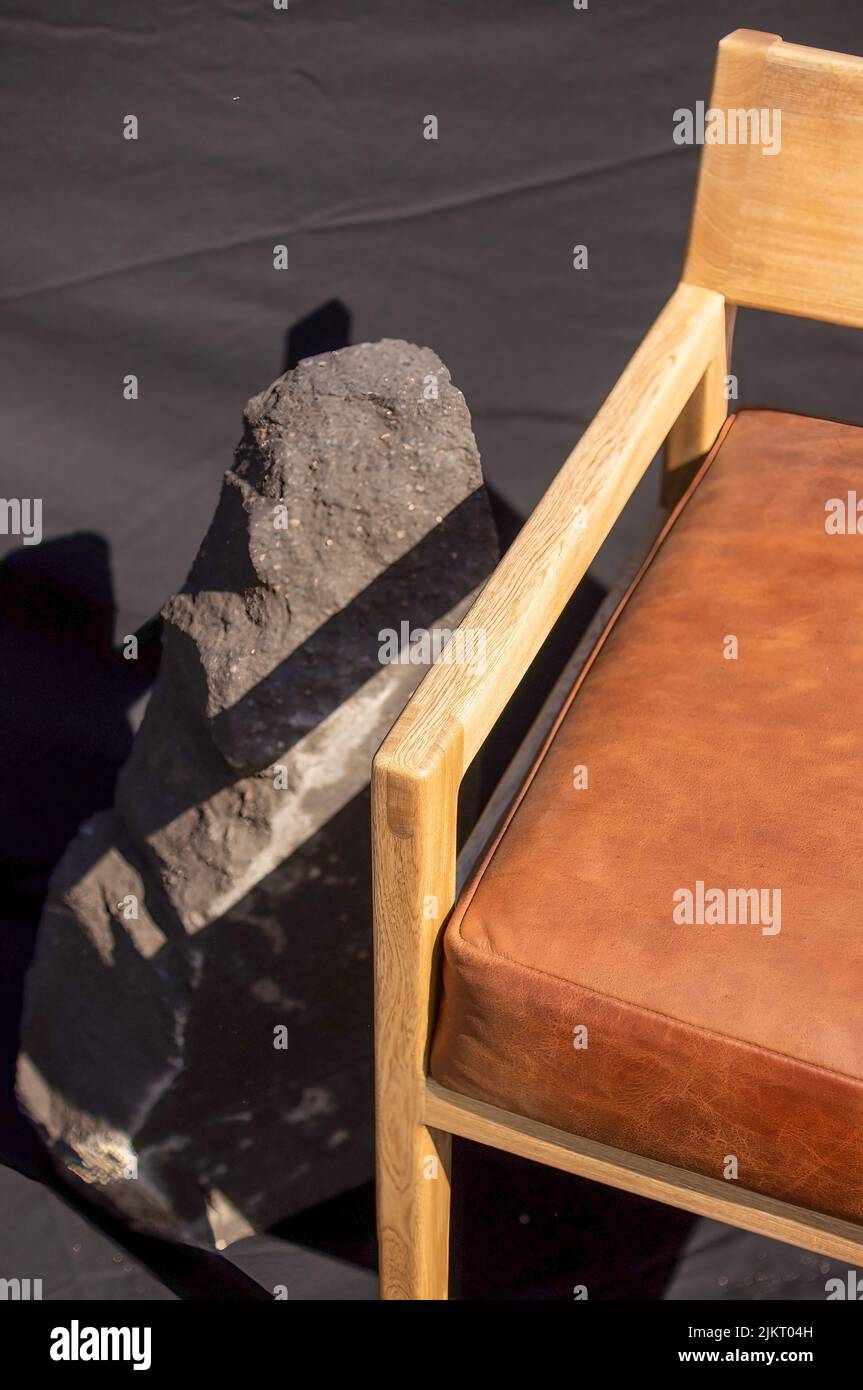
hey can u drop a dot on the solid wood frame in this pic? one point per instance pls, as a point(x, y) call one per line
point(671, 392)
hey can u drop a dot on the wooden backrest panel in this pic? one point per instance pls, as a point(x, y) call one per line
point(783, 231)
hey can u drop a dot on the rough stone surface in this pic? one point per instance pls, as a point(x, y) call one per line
point(227, 892)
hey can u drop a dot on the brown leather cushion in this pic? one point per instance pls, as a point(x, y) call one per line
point(703, 1040)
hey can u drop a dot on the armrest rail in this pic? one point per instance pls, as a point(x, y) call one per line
point(527, 592)
point(420, 765)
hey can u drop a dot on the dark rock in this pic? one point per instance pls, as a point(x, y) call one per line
point(227, 895)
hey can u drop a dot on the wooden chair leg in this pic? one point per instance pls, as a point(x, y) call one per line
point(414, 815)
point(413, 1209)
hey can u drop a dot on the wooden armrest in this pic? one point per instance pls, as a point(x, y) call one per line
point(418, 769)
point(455, 707)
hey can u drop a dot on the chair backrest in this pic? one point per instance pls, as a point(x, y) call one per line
point(778, 217)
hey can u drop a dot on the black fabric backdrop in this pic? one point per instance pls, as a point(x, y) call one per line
point(260, 127)
point(155, 257)
point(304, 127)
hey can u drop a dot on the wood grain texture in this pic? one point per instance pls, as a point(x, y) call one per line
point(455, 707)
point(691, 436)
point(413, 870)
point(419, 768)
point(722, 1201)
point(784, 232)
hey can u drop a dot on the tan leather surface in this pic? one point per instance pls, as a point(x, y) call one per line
point(703, 1040)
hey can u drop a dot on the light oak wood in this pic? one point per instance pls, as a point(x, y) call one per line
point(419, 768)
point(413, 867)
point(692, 434)
point(722, 1201)
point(781, 232)
point(784, 232)
point(453, 710)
